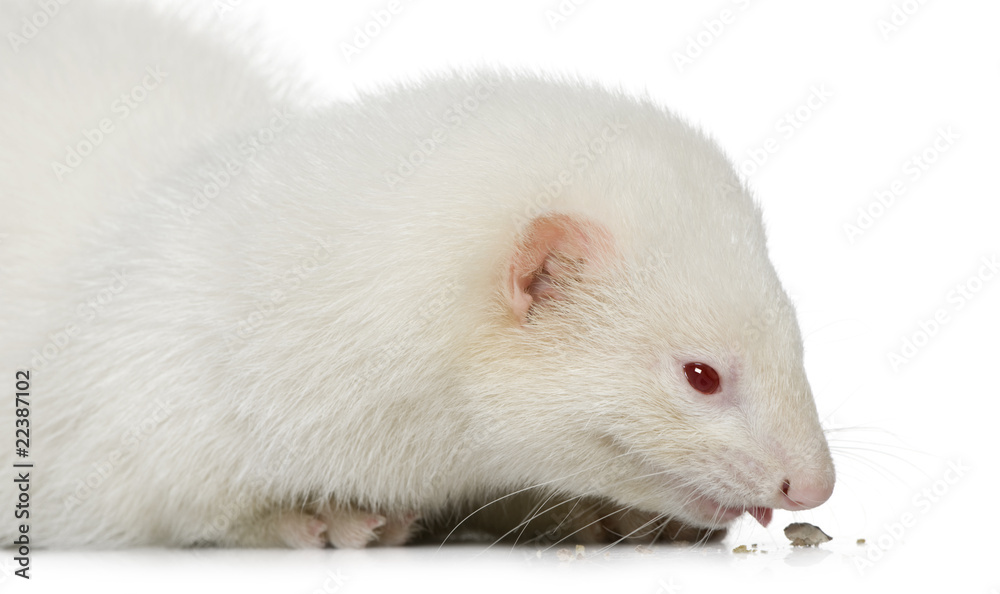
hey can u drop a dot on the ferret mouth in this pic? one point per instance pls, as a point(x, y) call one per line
point(714, 512)
point(706, 510)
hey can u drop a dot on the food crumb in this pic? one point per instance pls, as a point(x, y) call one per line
point(742, 549)
point(861, 541)
point(805, 535)
point(581, 551)
point(643, 550)
point(564, 555)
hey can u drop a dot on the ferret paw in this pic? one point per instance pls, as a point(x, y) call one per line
point(300, 530)
point(357, 529)
point(351, 528)
point(398, 530)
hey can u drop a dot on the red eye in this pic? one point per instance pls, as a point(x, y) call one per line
point(702, 377)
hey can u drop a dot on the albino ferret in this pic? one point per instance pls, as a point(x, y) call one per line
point(247, 323)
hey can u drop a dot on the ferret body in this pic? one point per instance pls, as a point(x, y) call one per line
point(251, 324)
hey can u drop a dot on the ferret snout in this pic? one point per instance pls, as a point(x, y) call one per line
point(802, 458)
point(805, 492)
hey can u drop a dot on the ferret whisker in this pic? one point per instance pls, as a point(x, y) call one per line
point(838, 441)
point(585, 526)
point(636, 530)
point(852, 454)
point(523, 490)
point(576, 503)
point(535, 513)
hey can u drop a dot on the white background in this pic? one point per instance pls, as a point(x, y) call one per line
point(889, 91)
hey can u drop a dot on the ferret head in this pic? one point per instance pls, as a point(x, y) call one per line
point(641, 347)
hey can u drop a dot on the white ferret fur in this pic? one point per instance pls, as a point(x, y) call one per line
point(251, 324)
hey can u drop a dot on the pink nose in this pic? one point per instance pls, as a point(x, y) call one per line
point(802, 494)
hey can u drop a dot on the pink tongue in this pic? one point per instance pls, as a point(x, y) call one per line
point(761, 514)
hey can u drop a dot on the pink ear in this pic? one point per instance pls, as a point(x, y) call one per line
point(551, 251)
